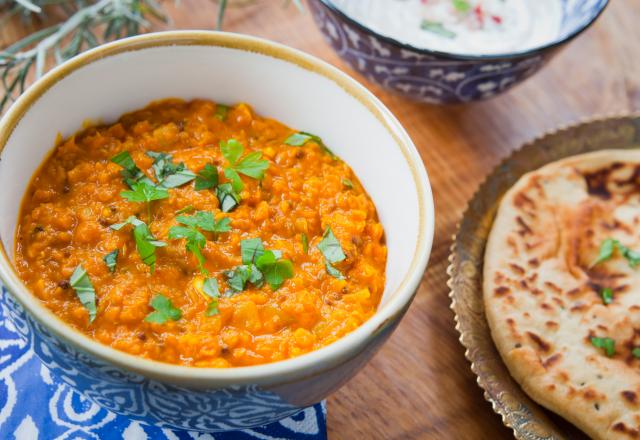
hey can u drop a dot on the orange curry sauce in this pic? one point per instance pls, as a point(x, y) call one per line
point(75, 198)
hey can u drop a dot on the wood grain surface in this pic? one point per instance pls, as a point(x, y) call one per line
point(420, 385)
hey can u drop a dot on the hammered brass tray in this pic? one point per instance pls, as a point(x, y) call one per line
point(527, 419)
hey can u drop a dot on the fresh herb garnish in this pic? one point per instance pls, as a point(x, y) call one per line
point(300, 138)
point(142, 192)
point(195, 240)
point(259, 265)
point(636, 352)
point(437, 28)
point(251, 249)
point(111, 259)
point(84, 290)
point(227, 197)
point(146, 243)
point(274, 268)
point(168, 173)
point(305, 242)
point(238, 277)
point(461, 5)
point(251, 165)
point(332, 251)
point(131, 173)
point(607, 344)
point(607, 248)
point(186, 210)
point(607, 295)
point(347, 183)
point(221, 111)
point(207, 178)
point(163, 310)
point(210, 287)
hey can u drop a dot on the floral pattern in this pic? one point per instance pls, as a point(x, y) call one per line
point(113, 399)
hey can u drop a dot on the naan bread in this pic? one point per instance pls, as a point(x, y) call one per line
point(542, 294)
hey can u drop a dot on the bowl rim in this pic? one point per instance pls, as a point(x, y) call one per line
point(279, 372)
point(466, 57)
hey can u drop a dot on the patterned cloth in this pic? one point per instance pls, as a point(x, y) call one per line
point(34, 405)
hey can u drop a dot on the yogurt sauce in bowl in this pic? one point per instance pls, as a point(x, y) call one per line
point(463, 27)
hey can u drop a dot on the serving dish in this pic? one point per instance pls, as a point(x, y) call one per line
point(437, 77)
point(105, 82)
point(527, 419)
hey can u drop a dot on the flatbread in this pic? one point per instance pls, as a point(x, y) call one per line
point(543, 295)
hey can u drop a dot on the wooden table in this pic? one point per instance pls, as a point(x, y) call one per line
point(420, 384)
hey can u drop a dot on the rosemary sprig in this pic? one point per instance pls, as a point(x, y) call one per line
point(80, 31)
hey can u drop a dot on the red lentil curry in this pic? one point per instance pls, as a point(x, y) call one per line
point(204, 235)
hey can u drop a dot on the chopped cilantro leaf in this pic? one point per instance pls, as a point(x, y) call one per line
point(84, 290)
point(168, 173)
point(305, 242)
point(607, 344)
point(111, 259)
point(131, 173)
point(607, 295)
point(146, 243)
point(437, 28)
point(210, 287)
point(163, 310)
point(221, 111)
point(207, 178)
point(227, 197)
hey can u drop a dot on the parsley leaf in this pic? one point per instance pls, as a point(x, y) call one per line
point(110, 260)
point(131, 173)
point(146, 243)
point(347, 183)
point(168, 173)
point(305, 242)
point(608, 344)
point(275, 269)
point(221, 111)
point(437, 28)
point(300, 138)
point(195, 240)
point(250, 250)
point(84, 290)
point(163, 310)
point(210, 287)
point(207, 178)
point(142, 192)
point(252, 165)
point(607, 295)
point(227, 197)
point(636, 352)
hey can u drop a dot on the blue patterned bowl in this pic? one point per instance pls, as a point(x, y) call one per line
point(104, 83)
point(437, 77)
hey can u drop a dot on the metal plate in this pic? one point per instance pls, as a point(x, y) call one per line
point(527, 419)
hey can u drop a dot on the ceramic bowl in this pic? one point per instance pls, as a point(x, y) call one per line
point(288, 85)
point(438, 77)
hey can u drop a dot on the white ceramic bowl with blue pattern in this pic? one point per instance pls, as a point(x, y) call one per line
point(279, 82)
point(438, 77)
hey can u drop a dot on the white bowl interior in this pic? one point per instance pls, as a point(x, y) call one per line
point(300, 98)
